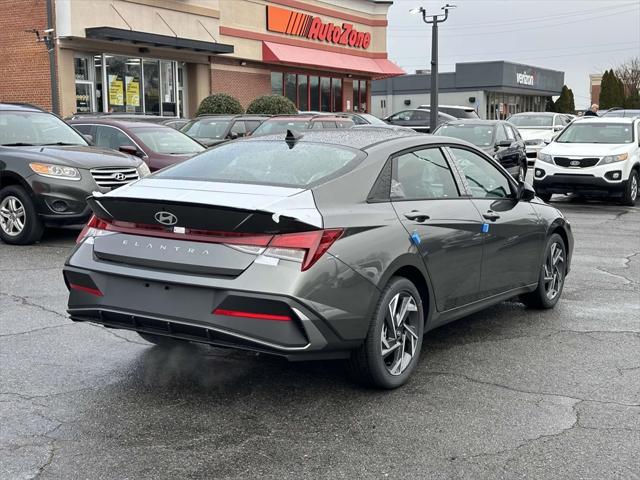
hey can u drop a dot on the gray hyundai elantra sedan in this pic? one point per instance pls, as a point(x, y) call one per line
point(329, 245)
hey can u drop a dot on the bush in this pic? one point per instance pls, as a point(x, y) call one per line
point(220, 103)
point(272, 105)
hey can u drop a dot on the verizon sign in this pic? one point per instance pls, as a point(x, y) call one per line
point(524, 78)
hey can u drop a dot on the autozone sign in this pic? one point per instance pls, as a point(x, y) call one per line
point(525, 78)
point(304, 25)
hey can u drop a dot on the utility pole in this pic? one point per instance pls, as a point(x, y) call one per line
point(434, 20)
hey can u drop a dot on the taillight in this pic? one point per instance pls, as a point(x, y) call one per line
point(93, 228)
point(304, 247)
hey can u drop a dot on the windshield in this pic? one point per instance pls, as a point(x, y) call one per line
point(479, 135)
point(587, 132)
point(280, 126)
point(36, 128)
point(532, 121)
point(206, 128)
point(265, 163)
point(166, 140)
point(622, 113)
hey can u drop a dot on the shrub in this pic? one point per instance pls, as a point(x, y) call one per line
point(272, 105)
point(220, 103)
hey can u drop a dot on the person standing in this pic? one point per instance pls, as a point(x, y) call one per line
point(593, 111)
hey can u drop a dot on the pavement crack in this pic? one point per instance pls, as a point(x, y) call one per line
point(627, 280)
point(23, 301)
point(530, 392)
point(35, 330)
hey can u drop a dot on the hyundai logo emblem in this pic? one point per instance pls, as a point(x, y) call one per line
point(575, 163)
point(166, 218)
point(120, 176)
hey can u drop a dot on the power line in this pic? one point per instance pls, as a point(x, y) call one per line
point(457, 35)
point(476, 54)
point(529, 19)
point(545, 56)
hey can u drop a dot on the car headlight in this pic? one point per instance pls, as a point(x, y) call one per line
point(143, 170)
point(545, 157)
point(614, 158)
point(55, 171)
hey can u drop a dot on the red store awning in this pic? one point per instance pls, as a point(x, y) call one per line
point(309, 57)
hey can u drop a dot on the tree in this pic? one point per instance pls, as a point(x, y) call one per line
point(565, 102)
point(220, 103)
point(272, 105)
point(629, 74)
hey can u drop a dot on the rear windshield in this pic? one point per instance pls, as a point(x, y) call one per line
point(267, 163)
point(597, 132)
point(459, 112)
point(207, 128)
point(479, 135)
point(531, 120)
point(280, 126)
point(166, 140)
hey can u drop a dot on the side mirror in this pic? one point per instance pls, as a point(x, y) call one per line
point(526, 193)
point(88, 138)
point(503, 143)
point(131, 150)
point(232, 135)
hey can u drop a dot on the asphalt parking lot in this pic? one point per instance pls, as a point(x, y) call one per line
point(507, 393)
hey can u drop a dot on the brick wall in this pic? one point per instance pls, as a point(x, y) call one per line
point(243, 85)
point(595, 94)
point(24, 64)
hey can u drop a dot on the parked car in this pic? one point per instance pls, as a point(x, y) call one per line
point(176, 123)
point(332, 244)
point(496, 138)
point(537, 129)
point(621, 113)
point(282, 123)
point(362, 118)
point(592, 156)
point(47, 170)
point(417, 119)
point(211, 130)
point(157, 145)
point(132, 117)
point(457, 111)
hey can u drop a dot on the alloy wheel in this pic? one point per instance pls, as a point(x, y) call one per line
point(554, 271)
point(634, 187)
point(399, 336)
point(12, 216)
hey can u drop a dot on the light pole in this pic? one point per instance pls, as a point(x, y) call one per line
point(434, 20)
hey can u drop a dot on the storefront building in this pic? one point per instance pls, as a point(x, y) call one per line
point(494, 89)
point(162, 57)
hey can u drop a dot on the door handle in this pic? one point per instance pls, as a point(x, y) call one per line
point(417, 216)
point(493, 216)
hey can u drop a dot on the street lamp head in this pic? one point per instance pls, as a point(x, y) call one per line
point(415, 11)
point(449, 6)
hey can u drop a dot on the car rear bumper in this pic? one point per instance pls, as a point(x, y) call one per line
point(213, 310)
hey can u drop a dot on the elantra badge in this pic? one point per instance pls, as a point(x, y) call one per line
point(166, 218)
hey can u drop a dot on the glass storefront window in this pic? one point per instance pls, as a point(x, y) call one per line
point(290, 88)
point(81, 65)
point(356, 96)
point(84, 84)
point(151, 87)
point(314, 93)
point(167, 80)
point(303, 94)
point(276, 83)
point(336, 86)
point(97, 63)
point(325, 94)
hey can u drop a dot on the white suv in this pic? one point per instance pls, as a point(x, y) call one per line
point(592, 156)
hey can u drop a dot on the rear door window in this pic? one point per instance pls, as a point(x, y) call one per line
point(421, 175)
point(110, 137)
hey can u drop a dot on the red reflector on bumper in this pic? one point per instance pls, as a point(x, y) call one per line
point(257, 316)
point(92, 291)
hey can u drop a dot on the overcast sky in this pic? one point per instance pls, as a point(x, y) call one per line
point(577, 37)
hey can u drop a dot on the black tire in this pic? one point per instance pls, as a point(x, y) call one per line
point(162, 341)
point(545, 196)
point(367, 364)
point(630, 195)
point(32, 228)
point(541, 297)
